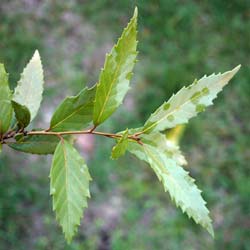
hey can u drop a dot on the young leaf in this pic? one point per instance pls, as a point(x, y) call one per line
point(120, 148)
point(36, 144)
point(188, 102)
point(177, 182)
point(6, 109)
point(29, 89)
point(115, 76)
point(75, 112)
point(69, 185)
point(22, 114)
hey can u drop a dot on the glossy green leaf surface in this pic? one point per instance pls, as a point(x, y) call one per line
point(176, 181)
point(115, 76)
point(29, 89)
point(75, 112)
point(22, 114)
point(36, 144)
point(69, 186)
point(188, 102)
point(120, 148)
point(6, 109)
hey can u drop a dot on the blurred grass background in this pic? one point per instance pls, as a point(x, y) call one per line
point(178, 42)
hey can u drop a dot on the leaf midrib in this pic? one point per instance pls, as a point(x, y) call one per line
point(69, 116)
point(200, 221)
point(109, 91)
point(66, 181)
point(165, 171)
point(174, 110)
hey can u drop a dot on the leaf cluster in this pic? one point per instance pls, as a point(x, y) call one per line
point(84, 112)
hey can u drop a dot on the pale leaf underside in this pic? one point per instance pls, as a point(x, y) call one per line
point(177, 182)
point(188, 102)
point(170, 149)
point(30, 87)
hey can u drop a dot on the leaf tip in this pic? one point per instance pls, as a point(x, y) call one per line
point(36, 54)
point(236, 69)
point(135, 12)
point(68, 238)
point(36, 57)
point(210, 230)
point(230, 74)
point(2, 68)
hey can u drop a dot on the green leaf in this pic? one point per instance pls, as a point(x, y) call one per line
point(29, 89)
point(75, 112)
point(177, 182)
point(22, 114)
point(36, 144)
point(188, 102)
point(6, 110)
point(115, 76)
point(69, 185)
point(169, 148)
point(1, 147)
point(120, 148)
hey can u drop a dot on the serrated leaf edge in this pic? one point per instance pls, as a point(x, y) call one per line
point(149, 128)
point(108, 55)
